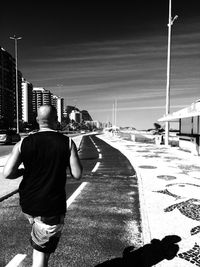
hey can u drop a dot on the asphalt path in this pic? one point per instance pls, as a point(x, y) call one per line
point(100, 223)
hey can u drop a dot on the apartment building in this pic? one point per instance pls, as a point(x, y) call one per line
point(27, 101)
point(58, 103)
point(41, 96)
point(76, 116)
point(19, 98)
point(8, 111)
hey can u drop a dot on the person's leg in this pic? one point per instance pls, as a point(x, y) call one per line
point(40, 259)
point(45, 237)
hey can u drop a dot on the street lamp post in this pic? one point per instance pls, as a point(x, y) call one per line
point(114, 113)
point(15, 38)
point(170, 23)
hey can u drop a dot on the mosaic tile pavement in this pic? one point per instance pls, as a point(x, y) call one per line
point(169, 185)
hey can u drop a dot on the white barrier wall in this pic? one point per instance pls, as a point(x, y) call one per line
point(189, 144)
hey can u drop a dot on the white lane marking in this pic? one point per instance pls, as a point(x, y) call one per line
point(16, 261)
point(96, 167)
point(100, 157)
point(92, 140)
point(75, 194)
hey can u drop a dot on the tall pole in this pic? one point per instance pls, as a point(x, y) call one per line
point(116, 112)
point(15, 38)
point(113, 114)
point(170, 23)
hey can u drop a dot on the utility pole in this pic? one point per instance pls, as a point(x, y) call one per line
point(170, 23)
point(15, 38)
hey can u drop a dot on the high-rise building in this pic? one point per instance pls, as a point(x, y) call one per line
point(19, 79)
point(76, 116)
point(27, 101)
point(8, 109)
point(58, 103)
point(41, 96)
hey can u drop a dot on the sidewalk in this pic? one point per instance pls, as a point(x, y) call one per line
point(169, 189)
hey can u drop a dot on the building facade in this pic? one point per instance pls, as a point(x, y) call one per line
point(7, 89)
point(27, 101)
point(189, 126)
point(76, 116)
point(41, 96)
point(58, 103)
point(19, 79)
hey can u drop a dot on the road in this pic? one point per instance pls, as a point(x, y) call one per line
point(5, 149)
point(100, 223)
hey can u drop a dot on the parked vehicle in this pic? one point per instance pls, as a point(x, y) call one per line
point(9, 137)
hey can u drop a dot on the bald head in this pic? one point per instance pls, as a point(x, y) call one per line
point(47, 116)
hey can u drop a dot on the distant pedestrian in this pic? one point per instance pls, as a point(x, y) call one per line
point(45, 155)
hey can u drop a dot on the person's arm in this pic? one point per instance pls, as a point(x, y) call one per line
point(75, 164)
point(11, 170)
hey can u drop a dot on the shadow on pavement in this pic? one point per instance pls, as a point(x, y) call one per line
point(148, 255)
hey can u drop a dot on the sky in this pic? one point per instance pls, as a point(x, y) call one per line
point(97, 54)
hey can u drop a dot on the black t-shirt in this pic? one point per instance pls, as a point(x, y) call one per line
point(45, 156)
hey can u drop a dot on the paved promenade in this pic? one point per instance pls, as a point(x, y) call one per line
point(169, 185)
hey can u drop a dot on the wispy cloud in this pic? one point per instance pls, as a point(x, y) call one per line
point(121, 109)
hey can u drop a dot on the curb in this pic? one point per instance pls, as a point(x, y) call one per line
point(146, 234)
point(8, 195)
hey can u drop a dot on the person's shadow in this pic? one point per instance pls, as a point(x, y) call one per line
point(148, 255)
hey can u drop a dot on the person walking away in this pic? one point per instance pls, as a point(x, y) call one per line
point(45, 155)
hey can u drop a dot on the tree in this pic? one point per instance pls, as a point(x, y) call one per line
point(157, 126)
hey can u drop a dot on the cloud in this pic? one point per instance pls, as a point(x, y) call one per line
point(102, 50)
point(95, 57)
point(135, 108)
